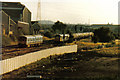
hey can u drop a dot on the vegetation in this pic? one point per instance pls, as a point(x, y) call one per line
point(59, 26)
point(116, 35)
point(103, 34)
point(49, 34)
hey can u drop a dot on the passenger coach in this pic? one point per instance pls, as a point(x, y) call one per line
point(30, 40)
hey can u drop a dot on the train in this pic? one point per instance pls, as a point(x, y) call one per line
point(61, 37)
point(76, 36)
point(29, 40)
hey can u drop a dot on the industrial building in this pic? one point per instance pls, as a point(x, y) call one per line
point(15, 17)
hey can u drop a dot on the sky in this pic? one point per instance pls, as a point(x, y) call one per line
point(74, 11)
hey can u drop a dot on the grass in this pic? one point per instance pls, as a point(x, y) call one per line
point(68, 66)
point(110, 51)
point(101, 48)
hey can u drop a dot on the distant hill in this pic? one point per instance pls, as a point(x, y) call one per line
point(46, 22)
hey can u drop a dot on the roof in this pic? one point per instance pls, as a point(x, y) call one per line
point(12, 5)
point(62, 35)
point(33, 22)
point(31, 36)
point(38, 35)
point(13, 9)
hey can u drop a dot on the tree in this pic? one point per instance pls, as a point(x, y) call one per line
point(103, 34)
point(116, 35)
point(95, 39)
point(71, 37)
point(81, 28)
point(59, 26)
point(76, 28)
point(36, 27)
point(48, 34)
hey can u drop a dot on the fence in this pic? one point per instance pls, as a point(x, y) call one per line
point(11, 64)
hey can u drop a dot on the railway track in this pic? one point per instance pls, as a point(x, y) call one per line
point(12, 51)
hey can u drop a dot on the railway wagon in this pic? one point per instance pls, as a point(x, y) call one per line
point(61, 37)
point(29, 40)
point(82, 35)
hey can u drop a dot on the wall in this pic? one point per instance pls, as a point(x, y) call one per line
point(5, 22)
point(27, 16)
point(13, 27)
point(24, 27)
point(19, 61)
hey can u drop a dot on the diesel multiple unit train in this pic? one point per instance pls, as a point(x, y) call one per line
point(28, 40)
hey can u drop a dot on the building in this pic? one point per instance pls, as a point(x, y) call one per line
point(17, 11)
point(15, 16)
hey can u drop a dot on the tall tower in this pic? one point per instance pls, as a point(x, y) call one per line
point(119, 20)
point(39, 11)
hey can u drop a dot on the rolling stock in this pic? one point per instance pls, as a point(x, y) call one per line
point(61, 37)
point(29, 40)
point(82, 35)
point(66, 37)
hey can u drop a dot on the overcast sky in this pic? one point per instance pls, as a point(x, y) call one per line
point(75, 11)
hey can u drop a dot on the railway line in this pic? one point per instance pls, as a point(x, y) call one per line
point(30, 40)
point(12, 51)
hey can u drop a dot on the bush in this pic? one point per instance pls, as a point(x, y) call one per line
point(95, 39)
point(48, 34)
point(103, 34)
point(117, 35)
point(71, 38)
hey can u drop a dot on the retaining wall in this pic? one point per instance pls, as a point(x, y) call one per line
point(11, 64)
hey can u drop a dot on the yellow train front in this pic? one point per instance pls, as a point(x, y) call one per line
point(61, 37)
point(30, 40)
